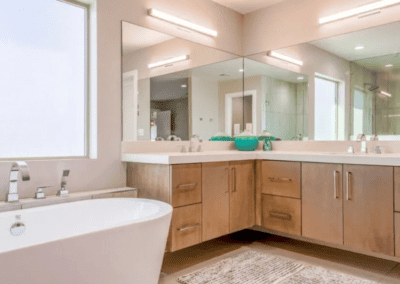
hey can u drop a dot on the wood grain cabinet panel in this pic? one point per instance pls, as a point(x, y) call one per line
point(186, 227)
point(397, 189)
point(186, 184)
point(368, 208)
point(281, 178)
point(322, 202)
point(397, 233)
point(281, 214)
point(242, 195)
point(215, 193)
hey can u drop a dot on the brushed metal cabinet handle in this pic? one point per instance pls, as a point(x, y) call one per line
point(188, 228)
point(278, 215)
point(348, 185)
point(272, 179)
point(335, 184)
point(229, 180)
point(186, 187)
point(234, 180)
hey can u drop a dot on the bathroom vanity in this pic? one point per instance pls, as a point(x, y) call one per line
point(349, 205)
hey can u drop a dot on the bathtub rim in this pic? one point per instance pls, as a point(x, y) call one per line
point(166, 210)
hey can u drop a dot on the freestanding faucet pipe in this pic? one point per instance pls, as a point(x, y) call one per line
point(15, 169)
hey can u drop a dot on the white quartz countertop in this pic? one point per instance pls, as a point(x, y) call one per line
point(172, 158)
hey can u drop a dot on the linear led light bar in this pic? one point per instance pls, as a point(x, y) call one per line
point(180, 22)
point(385, 94)
point(359, 10)
point(169, 61)
point(284, 58)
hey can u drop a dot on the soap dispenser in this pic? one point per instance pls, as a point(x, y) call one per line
point(266, 138)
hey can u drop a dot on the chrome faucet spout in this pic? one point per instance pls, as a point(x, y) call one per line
point(14, 174)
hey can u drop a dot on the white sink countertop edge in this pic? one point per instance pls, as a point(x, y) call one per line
point(172, 158)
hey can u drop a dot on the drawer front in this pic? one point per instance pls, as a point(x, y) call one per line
point(281, 214)
point(281, 178)
point(186, 184)
point(186, 227)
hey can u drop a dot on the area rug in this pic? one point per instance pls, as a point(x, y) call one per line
point(253, 267)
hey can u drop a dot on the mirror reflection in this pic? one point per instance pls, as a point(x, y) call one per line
point(174, 89)
point(280, 100)
point(354, 83)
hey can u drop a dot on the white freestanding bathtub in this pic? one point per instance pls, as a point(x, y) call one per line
point(101, 241)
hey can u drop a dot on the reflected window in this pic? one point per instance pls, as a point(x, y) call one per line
point(326, 109)
point(358, 112)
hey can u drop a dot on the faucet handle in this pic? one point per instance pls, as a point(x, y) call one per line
point(39, 192)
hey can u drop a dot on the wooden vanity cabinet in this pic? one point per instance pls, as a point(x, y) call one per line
point(280, 196)
point(322, 202)
point(216, 187)
point(368, 208)
point(180, 186)
point(242, 201)
point(281, 178)
point(228, 198)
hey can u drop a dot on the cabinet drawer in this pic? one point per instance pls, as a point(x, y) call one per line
point(281, 214)
point(186, 184)
point(281, 178)
point(186, 227)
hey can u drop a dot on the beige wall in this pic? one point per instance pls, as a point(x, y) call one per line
point(293, 22)
point(107, 171)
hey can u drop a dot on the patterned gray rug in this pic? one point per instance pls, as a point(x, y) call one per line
point(253, 267)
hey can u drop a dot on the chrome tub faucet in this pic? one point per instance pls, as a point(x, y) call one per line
point(15, 169)
point(63, 191)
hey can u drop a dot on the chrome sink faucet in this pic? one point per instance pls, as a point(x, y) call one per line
point(361, 138)
point(15, 169)
point(192, 147)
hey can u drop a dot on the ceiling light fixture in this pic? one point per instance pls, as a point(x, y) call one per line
point(389, 65)
point(181, 22)
point(359, 47)
point(285, 58)
point(360, 10)
point(385, 94)
point(168, 61)
point(241, 70)
point(184, 86)
point(300, 78)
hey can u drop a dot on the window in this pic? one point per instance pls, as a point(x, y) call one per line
point(326, 110)
point(43, 79)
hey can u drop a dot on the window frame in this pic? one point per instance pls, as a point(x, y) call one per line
point(87, 94)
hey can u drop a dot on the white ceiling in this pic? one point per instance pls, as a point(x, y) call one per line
point(247, 6)
point(135, 37)
point(377, 41)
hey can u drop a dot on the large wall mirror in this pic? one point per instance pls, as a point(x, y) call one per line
point(353, 87)
point(173, 89)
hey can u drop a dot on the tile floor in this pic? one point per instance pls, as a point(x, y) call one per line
point(196, 257)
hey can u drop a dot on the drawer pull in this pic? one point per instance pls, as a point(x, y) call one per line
point(186, 187)
point(283, 216)
point(280, 179)
point(188, 228)
point(335, 184)
point(348, 185)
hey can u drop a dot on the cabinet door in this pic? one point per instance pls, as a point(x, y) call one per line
point(322, 207)
point(242, 196)
point(368, 208)
point(215, 191)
